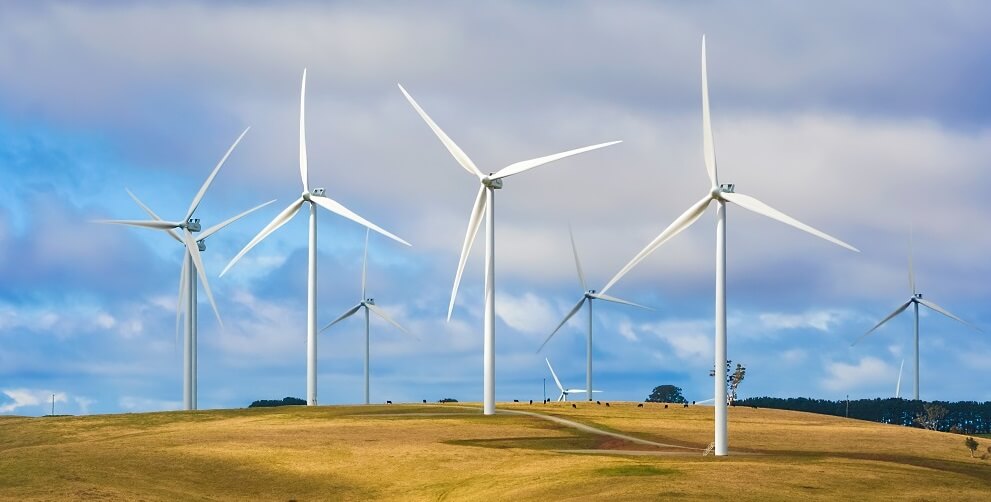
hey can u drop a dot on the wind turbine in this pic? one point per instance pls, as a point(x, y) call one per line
point(564, 392)
point(915, 300)
point(589, 295)
point(485, 201)
point(369, 305)
point(187, 278)
point(314, 197)
point(720, 194)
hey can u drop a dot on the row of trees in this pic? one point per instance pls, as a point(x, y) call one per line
point(965, 417)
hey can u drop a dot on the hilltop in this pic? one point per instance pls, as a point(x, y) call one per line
point(450, 451)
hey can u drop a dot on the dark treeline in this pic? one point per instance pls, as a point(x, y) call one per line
point(265, 403)
point(965, 417)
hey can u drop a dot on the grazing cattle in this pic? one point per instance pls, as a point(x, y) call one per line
point(388, 402)
point(640, 405)
point(424, 401)
point(598, 403)
point(607, 404)
point(686, 405)
point(573, 406)
point(531, 401)
point(516, 400)
point(665, 406)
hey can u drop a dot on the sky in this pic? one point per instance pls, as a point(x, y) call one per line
point(867, 121)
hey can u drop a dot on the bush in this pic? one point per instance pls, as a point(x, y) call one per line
point(268, 403)
point(448, 400)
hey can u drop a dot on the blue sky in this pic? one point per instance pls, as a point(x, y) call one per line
point(861, 120)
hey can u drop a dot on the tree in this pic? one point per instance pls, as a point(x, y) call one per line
point(448, 400)
point(971, 445)
point(734, 381)
point(930, 416)
point(666, 394)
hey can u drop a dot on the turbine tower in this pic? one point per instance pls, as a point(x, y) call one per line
point(314, 197)
point(564, 392)
point(187, 278)
point(589, 295)
point(485, 202)
point(369, 305)
point(720, 194)
point(915, 300)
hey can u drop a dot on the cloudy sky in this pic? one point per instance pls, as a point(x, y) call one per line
point(862, 120)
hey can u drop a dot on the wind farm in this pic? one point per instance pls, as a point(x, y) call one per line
point(753, 362)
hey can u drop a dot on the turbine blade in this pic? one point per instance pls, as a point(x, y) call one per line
point(279, 220)
point(194, 253)
point(752, 204)
point(911, 266)
point(898, 386)
point(180, 306)
point(684, 221)
point(886, 319)
point(364, 265)
point(336, 207)
point(945, 312)
point(708, 148)
point(574, 310)
point(350, 312)
point(474, 221)
point(151, 213)
point(157, 224)
point(600, 296)
point(525, 165)
point(212, 230)
point(303, 172)
point(452, 147)
point(206, 184)
point(558, 382)
point(578, 263)
point(381, 313)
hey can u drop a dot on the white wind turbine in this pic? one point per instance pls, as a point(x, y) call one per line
point(720, 194)
point(369, 305)
point(589, 295)
point(314, 197)
point(485, 201)
point(187, 278)
point(915, 300)
point(564, 392)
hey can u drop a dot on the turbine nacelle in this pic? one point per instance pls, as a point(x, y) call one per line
point(201, 245)
point(192, 224)
point(316, 192)
point(494, 184)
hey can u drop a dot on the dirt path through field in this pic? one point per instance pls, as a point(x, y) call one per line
point(593, 430)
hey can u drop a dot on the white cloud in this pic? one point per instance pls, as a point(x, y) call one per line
point(821, 320)
point(137, 404)
point(83, 403)
point(864, 374)
point(28, 397)
point(690, 339)
point(528, 313)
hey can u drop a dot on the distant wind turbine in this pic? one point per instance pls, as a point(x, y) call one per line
point(187, 278)
point(588, 295)
point(720, 194)
point(485, 201)
point(564, 392)
point(915, 300)
point(314, 197)
point(369, 305)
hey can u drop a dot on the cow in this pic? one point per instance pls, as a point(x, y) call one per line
point(531, 401)
point(640, 405)
point(665, 406)
point(598, 403)
point(607, 404)
point(388, 402)
point(516, 400)
point(424, 401)
point(573, 406)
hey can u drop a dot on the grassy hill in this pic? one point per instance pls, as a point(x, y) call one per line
point(432, 452)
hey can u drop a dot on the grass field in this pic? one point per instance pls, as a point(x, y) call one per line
point(451, 452)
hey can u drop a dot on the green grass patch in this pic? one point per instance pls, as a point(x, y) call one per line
point(635, 470)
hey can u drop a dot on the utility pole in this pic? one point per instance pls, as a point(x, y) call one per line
point(848, 405)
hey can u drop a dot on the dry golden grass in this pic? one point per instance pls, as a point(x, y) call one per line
point(434, 452)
